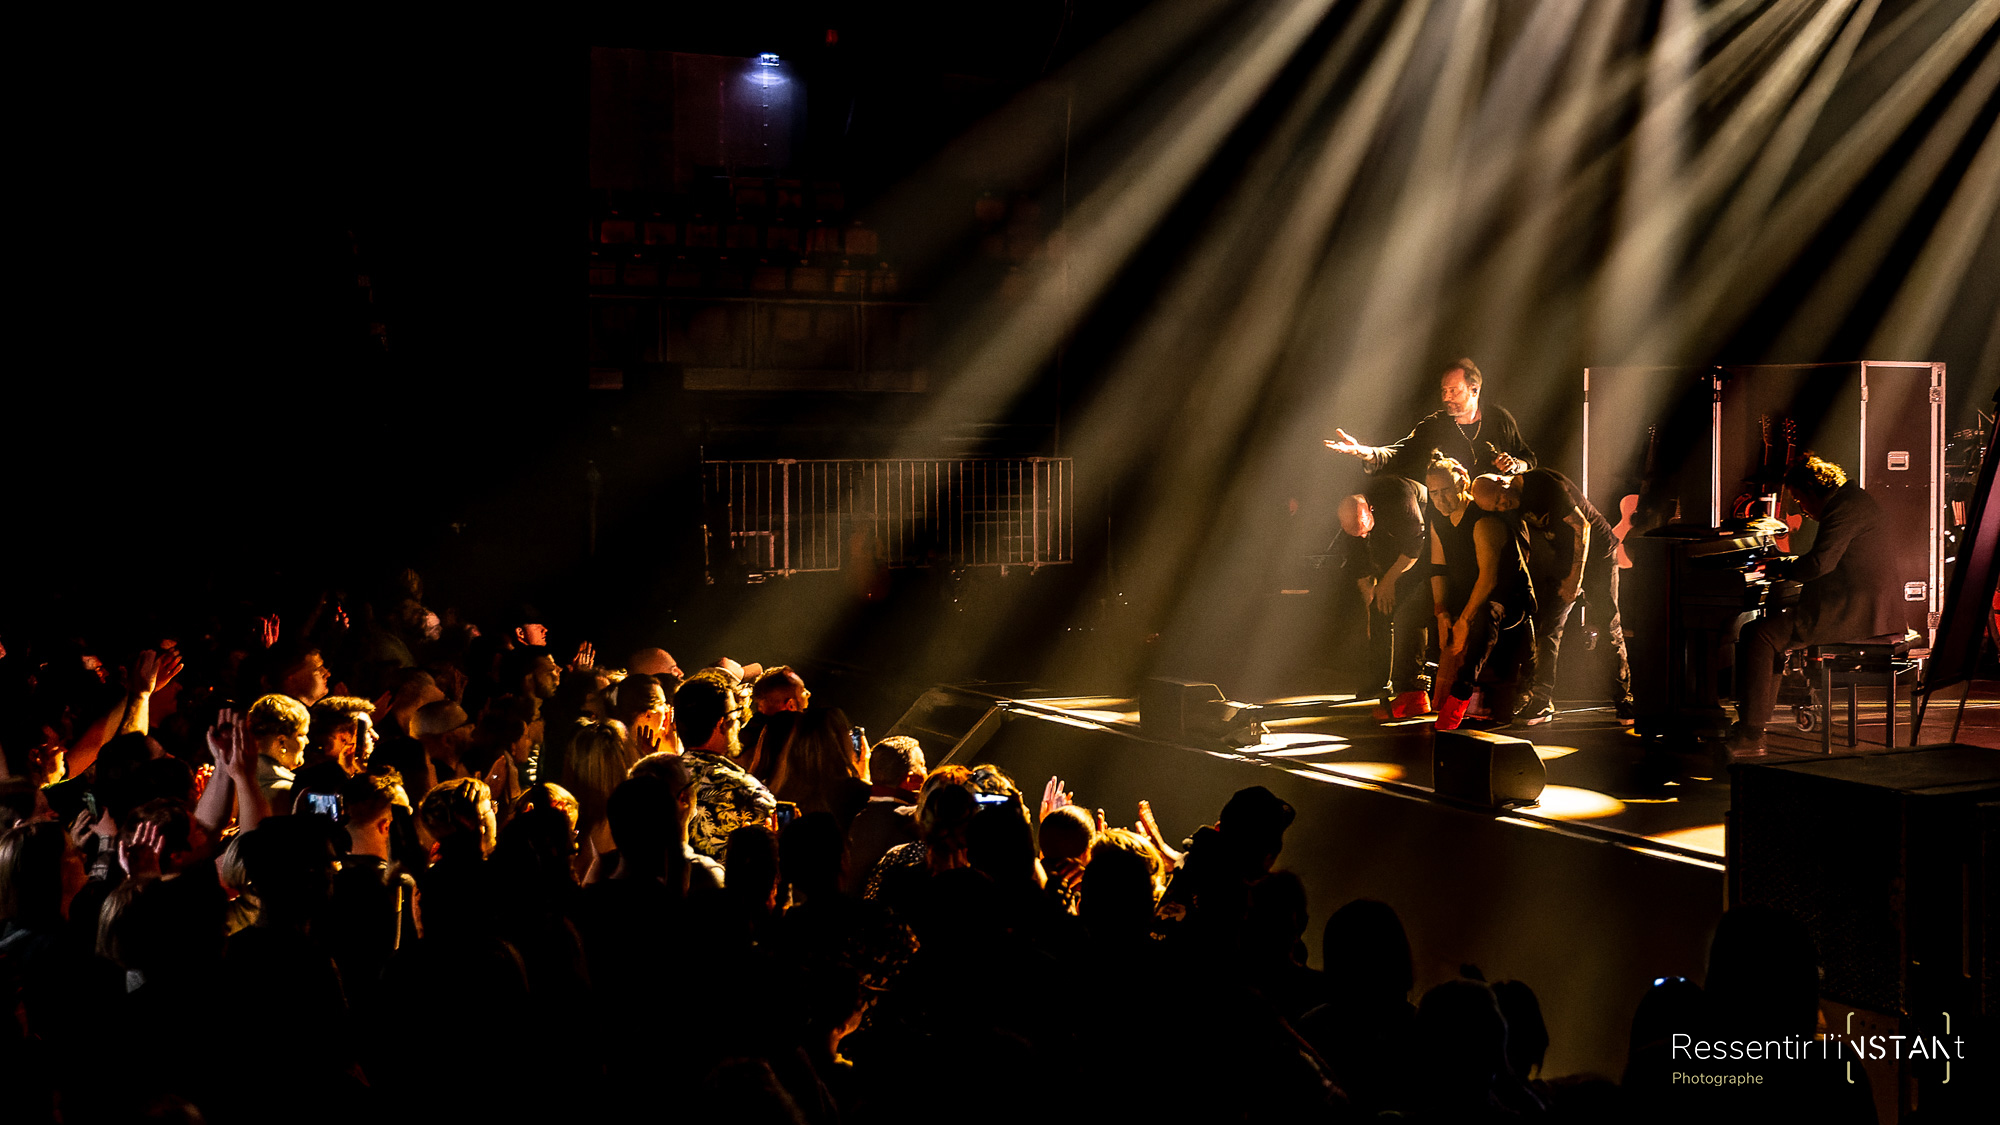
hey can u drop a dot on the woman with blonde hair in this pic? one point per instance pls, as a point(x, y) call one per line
point(600, 755)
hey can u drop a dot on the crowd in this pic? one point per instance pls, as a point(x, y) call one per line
point(384, 867)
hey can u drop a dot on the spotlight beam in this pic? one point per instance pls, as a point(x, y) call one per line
point(1646, 258)
point(1120, 415)
point(1832, 298)
point(1110, 223)
point(1907, 330)
point(1820, 191)
point(1722, 254)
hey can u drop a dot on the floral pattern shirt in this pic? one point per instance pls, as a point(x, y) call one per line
point(726, 798)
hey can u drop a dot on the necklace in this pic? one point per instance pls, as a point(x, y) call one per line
point(1476, 427)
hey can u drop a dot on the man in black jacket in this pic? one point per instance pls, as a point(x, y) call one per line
point(1484, 439)
point(1850, 593)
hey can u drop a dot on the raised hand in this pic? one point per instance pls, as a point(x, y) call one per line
point(169, 666)
point(1054, 797)
point(140, 855)
point(152, 670)
point(1342, 442)
point(340, 617)
point(79, 829)
point(1150, 829)
point(585, 658)
point(270, 630)
point(647, 732)
point(226, 744)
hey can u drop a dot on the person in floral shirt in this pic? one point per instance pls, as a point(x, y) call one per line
point(707, 718)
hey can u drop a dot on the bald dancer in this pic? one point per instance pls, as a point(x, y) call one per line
point(1385, 537)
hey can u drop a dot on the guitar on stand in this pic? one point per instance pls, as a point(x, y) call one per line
point(1748, 500)
point(1787, 509)
point(1628, 505)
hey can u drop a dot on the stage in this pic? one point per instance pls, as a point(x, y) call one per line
point(1615, 878)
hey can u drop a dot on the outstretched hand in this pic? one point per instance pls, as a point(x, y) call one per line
point(1343, 442)
point(585, 658)
point(140, 855)
point(649, 733)
point(1150, 829)
point(270, 630)
point(226, 744)
point(1054, 797)
point(153, 669)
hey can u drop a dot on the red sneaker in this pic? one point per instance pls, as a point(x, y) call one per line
point(1411, 704)
point(1451, 712)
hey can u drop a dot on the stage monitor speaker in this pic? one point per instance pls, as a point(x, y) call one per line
point(1169, 707)
point(1888, 858)
point(1487, 769)
point(950, 723)
point(1890, 861)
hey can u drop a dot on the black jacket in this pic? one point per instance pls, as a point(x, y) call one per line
point(1851, 592)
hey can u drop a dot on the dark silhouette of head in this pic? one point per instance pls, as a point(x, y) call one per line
point(1763, 973)
point(1527, 1034)
point(1366, 951)
point(811, 852)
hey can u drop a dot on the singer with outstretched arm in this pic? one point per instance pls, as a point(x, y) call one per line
point(1484, 438)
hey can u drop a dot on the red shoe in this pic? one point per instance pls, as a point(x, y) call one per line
point(1407, 705)
point(1451, 712)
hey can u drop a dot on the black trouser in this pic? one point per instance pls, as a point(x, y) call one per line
point(1397, 640)
point(1499, 655)
point(1760, 659)
point(1600, 595)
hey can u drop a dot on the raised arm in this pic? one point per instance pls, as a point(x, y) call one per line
point(1373, 457)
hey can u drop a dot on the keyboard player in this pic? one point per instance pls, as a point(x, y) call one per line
point(1849, 593)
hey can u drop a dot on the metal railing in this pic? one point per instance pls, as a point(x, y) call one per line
point(789, 516)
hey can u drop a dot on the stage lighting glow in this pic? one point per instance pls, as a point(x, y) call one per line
point(1565, 802)
point(1306, 747)
point(1704, 838)
point(1364, 771)
point(1106, 716)
point(1296, 738)
point(1551, 753)
point(767, 59)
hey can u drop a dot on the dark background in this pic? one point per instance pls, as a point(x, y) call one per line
point(202, 407)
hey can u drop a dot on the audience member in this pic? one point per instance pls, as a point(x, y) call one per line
point(896, 772)
point(548, 931)
point(277, 725)
point(707, 717)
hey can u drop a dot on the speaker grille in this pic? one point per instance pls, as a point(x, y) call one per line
point(1830, 853)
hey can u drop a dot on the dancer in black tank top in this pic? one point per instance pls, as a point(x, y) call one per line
point(1485, 601)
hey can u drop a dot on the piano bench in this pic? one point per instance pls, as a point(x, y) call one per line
point(1877, 661)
